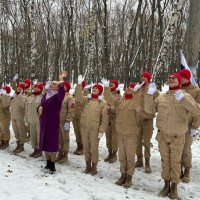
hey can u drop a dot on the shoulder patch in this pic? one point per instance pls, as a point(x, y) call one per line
point(73, 105)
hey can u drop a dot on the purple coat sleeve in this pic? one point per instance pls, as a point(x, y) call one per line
point(61, 93)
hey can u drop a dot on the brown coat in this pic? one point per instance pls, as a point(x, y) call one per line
point(67, 109)
point(194, 91)
point(17, 107)
point(79, 106)
point(172, 115)
point(127, 121)
point(4, 107)
point(112, 109)
point(14, 85)
point(94, 115)
point(31, 114)
point(142, 113)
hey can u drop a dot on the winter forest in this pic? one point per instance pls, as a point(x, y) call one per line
point(94, 104)
point(98, 38)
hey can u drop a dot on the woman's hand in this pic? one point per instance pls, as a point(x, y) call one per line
point(62, 75)
point(40, 109)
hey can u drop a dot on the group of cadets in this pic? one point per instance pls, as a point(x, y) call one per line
point(127, 122)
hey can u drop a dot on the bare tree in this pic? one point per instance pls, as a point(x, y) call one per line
point(193, 34)
point(114, 39)
point(168, 37)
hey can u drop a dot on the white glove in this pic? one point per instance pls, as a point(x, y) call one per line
point(80, 79)
point(138, 86)
point(67, 126)
point(13, 95)
point(15, 77)
point(38, 99)
point(100, 135)
point(2, 91)
point(35, 81)
point(179, 95)
point(48, 83)
point(20, 94)
point(89, 96)
point(26, 123)
point(152, 88)
point(105, 82)
point(100, 97)
point(193, 132)
point(89, 86)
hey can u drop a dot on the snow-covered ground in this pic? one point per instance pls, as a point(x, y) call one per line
point(23, 178)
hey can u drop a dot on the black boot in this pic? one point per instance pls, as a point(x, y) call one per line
point(52, 167)
point(48, 164)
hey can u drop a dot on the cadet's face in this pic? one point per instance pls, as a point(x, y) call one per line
point(95, 91)
point(112, 85)
point(184, 80)
point(53, 86)
point(36, 89)
point(19, 89)
point(129, 90)
point(144, 79)
point(173, 81)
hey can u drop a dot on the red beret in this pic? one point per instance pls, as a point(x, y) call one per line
point(185, 73)
point(28, 82)
point(147, 75)
point(132, 85)
point(115, 82)
point(100, 88)
point(7, 89)
point(67, 85)
point(39, 85)
point(21, 85)
point(178, 77)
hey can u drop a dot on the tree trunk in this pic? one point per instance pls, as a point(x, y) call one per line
point(32, 41)
point(168, 37)
point(193, 33)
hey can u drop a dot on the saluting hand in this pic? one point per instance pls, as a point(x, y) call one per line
point(105, 82)
point(179, 95)
point(15, 77)
point(62, 75)
point(152, 88)
point(80, 79)
point(138, 86)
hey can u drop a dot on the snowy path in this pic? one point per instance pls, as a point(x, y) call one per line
point(23, 178)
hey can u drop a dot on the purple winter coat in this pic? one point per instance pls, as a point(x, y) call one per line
point(50, 121)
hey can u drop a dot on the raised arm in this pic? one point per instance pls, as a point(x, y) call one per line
point(190, 104)
point(14, 82)
point(110, 99)
point(79, 94)
point(61, 92)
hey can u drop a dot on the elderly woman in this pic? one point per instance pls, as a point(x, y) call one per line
point(49, 111)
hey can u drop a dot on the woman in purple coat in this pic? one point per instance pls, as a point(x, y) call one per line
point(49, 111)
